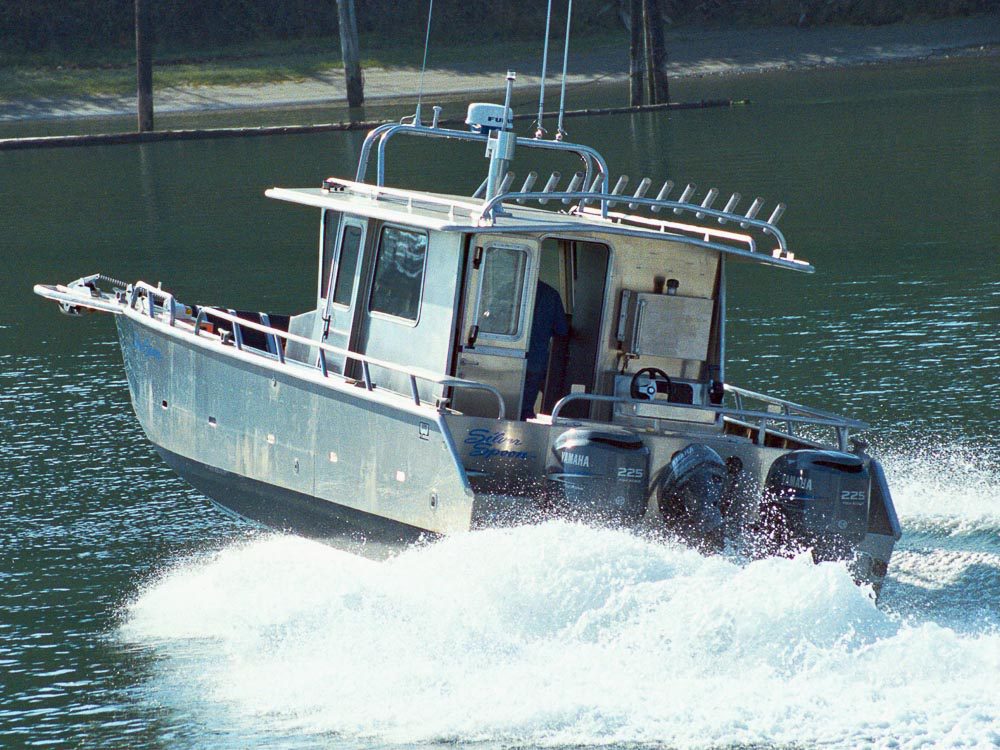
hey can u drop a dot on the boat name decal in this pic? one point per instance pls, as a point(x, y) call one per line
point(487, 444)
point(802, 483)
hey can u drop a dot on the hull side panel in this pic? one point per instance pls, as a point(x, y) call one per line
point(286, 510)
point(271, 423)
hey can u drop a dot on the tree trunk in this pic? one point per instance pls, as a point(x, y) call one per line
point(656, 53)
point(350, 50)
point(635, 55)
point(143, 67)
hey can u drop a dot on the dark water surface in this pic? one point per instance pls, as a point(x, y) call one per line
point(132, 614)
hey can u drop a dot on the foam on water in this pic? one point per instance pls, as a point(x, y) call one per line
point(946, 568)
point(554, 635)
point(946, 486)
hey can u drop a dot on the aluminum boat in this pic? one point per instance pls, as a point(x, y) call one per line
point(401, 404)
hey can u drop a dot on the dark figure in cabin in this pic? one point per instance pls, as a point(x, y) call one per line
point(548, 320)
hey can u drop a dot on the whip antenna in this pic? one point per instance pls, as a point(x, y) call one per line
point(562, 96)
point(427, 41)
point(540, 132)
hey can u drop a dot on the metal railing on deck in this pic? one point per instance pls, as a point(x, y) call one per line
point(412, 374)
point(788, 413)
point(594, 165)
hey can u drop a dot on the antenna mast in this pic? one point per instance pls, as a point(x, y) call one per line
point(562, 96)
point(540, 132)
point(427, 41)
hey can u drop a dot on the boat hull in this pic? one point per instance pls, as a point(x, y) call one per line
point(283, 445)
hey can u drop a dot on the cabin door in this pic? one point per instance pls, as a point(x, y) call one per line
point(493, 339)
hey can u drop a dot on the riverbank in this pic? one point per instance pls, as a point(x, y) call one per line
point(692, 53)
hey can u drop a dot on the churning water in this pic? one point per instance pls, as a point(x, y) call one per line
point(566, 635)
point(563, 635)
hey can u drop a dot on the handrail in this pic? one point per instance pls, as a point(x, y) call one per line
point(738, 391)
point(591, 158)
point(842, 425)
point(412, 373)
point(491, 206)
point(366, 148)
point(663, 225)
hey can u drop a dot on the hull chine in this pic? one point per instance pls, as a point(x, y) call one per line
point(285, 510)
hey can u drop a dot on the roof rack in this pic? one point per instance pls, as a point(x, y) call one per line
point(493, 209)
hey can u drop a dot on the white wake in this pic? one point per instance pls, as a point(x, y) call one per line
point(557, 635)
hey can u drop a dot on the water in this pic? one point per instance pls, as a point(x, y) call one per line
point(132, 614)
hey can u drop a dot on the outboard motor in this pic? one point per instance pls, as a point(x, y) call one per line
point(600, 476)
point(690, 496)
point(816, 499)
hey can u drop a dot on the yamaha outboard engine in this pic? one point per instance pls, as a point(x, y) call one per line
point(600, 476)
point(690, 496)
point(816, 499)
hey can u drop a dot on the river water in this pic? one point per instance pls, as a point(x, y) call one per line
point(133, 614)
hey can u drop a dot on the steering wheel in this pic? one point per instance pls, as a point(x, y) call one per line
point(647, 392)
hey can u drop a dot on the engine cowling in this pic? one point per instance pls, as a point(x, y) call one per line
point(690, 495)
point(600, 475)
point(815, 499)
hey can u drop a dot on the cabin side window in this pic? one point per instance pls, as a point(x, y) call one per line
point(331, 224)
point(347, 265)
point(502, 290)
point(399, 273)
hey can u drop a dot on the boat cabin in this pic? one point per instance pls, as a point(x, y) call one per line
point(440, 283)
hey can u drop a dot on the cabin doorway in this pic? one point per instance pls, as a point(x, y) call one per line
point(501, 284)
point(578, 270)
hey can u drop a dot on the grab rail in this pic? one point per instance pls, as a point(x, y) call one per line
point(412, 374)
point(739, 393)
point(841, 425)
point(663, 225)
point(380, 192)
point(590, 157)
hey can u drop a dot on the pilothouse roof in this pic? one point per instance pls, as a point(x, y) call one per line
point(453, 213)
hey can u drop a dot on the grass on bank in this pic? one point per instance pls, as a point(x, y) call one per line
point(90, 72)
